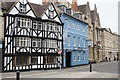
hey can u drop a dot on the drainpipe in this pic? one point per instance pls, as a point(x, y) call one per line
point(1, 39)
point(93, 23)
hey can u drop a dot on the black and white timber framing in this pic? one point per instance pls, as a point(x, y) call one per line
point(32, 37)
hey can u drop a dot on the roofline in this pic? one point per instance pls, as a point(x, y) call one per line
point(105, 29)
point(75, 18)
point(12, 6)
point(83, 5)
point(32, 9)
point(45, 9)
point(26, 16)
point(55, 7)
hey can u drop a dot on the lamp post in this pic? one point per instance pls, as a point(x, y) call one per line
point(18, 75)
point(90, 66)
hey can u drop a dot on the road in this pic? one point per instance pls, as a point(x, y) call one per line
point(100, 70)
point(105, 67)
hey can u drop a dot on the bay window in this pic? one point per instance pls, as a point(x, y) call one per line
point(23, 22)
point(22, 41)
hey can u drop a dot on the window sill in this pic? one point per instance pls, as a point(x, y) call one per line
point(69, 45)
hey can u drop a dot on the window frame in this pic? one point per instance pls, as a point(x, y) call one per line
point(35, 23)
point(69, 43)
point(51, 44)
point(22, 8)
point(34, 60)
point(78, 41)
point(73, 25)
point(74, 56)
point(78, 27)
point(74, 41)
point(35, 40)
point(68, 24)
point(23, 22)
point(84, 56)
point(84, 43)
point(24, 41)
point(83, 29)
point(78, 56)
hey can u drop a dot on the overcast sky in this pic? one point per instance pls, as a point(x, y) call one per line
point(107, 9)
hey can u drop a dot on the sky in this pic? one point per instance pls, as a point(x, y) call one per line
point(107, 9)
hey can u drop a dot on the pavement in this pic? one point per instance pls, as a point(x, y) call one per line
point(0, 76)
point(62, 74)
point(100, 70)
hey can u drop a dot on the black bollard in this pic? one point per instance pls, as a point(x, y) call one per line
point(90, 67)
point(18, 75)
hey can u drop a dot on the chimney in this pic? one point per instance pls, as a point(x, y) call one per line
point(47, 1)
point(74, 5)
point(44, 2)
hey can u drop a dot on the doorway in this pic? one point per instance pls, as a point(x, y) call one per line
point(68, 59)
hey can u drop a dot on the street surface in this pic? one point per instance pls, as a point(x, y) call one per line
point(100, 70)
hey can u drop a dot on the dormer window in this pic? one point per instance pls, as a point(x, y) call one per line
point(22, 8)
point(51, 13)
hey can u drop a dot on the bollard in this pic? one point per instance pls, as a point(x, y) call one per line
point(90, 67)
point(18, 75)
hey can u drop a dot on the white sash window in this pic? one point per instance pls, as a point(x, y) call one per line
point(78, 56)
point(74, 56)
point(23, 22)
point(22, 41)
point(22, 8)
point(69, 40)
point(51, 43)
point(78, 41)
point(36, 42)
point(74, 42)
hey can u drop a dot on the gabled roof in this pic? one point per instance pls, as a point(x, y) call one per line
point(7, 5)
point(98, 17)
point(108, 30)
point(82, 8)
point(92, 15)
point(39, 9)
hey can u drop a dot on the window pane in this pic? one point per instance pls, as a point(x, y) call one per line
point(74, 56)
point(39, 26)
point(83, 55)
point(74, 41)
point(79, 41)
point(68, 40)
point(78, 56)
point(34, 59)
point(35, 25)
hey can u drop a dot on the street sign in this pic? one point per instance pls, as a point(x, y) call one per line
point(89, 43)
point(60, 51)
point(0, 45)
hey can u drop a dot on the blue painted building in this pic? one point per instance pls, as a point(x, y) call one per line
point(75, 36)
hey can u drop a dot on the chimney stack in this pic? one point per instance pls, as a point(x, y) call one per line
point(74, 5)
point(47, 1)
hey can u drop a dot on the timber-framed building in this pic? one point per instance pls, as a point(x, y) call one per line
point(32, 36)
